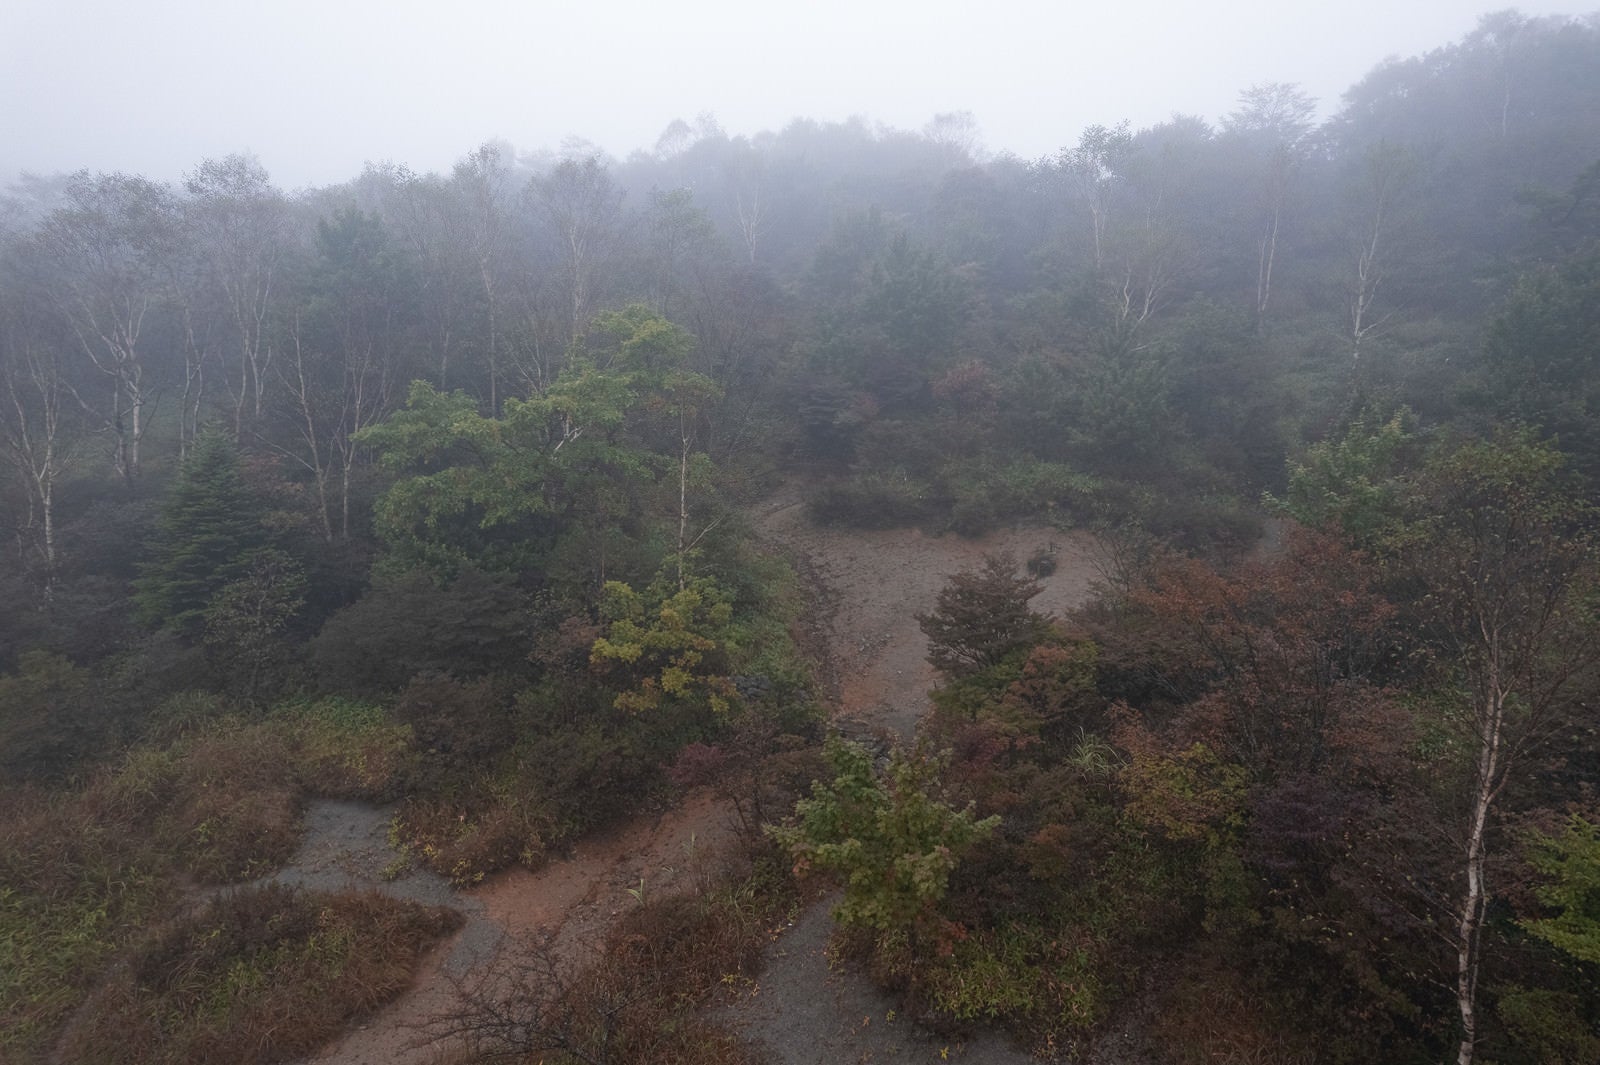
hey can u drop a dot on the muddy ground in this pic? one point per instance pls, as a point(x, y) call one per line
point(568, 903)
point(803, 1010)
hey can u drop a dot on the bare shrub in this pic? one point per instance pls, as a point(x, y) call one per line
point(636, 999)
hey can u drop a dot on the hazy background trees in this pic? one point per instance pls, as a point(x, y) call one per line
point(472, 445)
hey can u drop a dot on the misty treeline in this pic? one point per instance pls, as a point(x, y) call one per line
point(429, 486)
point(1221, 285)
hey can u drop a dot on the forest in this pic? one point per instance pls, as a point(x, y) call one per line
point(438, 493)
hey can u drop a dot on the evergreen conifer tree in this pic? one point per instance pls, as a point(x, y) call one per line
point(209, 525)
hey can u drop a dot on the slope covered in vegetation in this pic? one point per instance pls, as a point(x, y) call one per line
point(429, 488)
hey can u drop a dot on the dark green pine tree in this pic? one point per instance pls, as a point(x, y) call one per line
point(209, 525)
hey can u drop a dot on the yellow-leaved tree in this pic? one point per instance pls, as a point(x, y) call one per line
point(666, 644)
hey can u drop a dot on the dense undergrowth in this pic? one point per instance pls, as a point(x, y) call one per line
point(490, 772)
point(257, 975)
point(1225, 801)
point(213, 797)
point(455, 523)
point(86, 870)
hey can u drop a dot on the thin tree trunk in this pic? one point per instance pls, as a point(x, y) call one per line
point(136, 401)
point(344, 496)
point(1469, 930)
point(119, 455)
point(47, 506)
point(494, 369)
point(238, 401)
point(1269, 252)
point(683, 494)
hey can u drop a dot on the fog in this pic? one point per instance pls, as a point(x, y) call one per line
point(316, 89)
point(569, 500)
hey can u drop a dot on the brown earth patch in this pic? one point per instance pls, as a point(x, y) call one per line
point(869, 585)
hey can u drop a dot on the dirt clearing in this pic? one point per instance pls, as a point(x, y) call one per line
point(870, 584)
point(874, 582)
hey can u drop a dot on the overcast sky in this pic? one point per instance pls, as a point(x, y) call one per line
point(315, 88)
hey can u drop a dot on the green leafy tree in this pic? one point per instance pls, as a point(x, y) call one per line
point(1558, 1023)
point(409, 623)
point(500, 492)
point(651, 353)
point(1571, 863)
point(891, 838)
point(1350, 485)
point(666, 644)
point(1123, 408)
point(1539, 357)
point(461, 481)
point(1500, 544)
point(890, 313)
point(565, 475)
point(209, 524)
point(247, 619)
point(1557, 1027)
